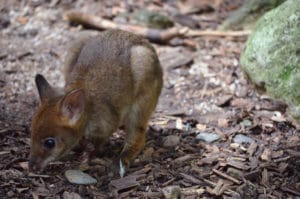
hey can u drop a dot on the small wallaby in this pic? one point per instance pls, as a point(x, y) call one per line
point(111, 80)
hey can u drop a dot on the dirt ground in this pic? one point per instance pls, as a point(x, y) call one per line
point(204, 91)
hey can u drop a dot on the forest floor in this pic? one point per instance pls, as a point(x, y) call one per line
point(254, 152)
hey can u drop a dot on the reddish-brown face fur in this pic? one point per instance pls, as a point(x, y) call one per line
point(49, 122)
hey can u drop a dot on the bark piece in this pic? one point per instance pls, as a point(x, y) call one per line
point(126, 182)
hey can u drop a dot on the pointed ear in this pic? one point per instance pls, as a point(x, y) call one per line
point(44, 88)
point(73, 105)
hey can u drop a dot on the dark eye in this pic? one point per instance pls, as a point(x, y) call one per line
point(49, 143)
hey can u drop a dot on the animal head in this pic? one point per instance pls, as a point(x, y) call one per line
point(57, 124)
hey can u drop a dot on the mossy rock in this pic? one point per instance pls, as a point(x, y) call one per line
point(272, 55)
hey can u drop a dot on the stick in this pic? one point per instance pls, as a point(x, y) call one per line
point(154, 35)
point(218, 33)
point(224, 175)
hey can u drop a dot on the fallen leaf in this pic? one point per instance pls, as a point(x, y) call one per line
point(24, 165)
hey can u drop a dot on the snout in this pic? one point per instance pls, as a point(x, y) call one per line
point(36, 165)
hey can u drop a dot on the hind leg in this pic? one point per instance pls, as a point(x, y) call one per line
point(136, 128)
point(135, 141)
point(147, 75)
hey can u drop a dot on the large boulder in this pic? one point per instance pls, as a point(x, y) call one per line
point(272, 55)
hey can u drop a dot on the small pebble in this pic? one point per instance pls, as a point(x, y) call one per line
point(10, 194)
point(239, 138)
point(171, 141)
point(78, 177)
point(208, 137)
point(246, 123)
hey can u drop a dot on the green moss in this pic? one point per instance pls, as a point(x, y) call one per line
point(286, 73)
point(271, 57)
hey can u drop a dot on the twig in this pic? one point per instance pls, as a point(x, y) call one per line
point(282, 159)
point(152, 194)
point(292, 145)
point(184, 158)
point(294, 192)
point(168, 182)
point(155, 35)
point(189, 191)
point(191, 179)
point(204, 90)
point(218, 33)
point(224, 175)
point(38, 175)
